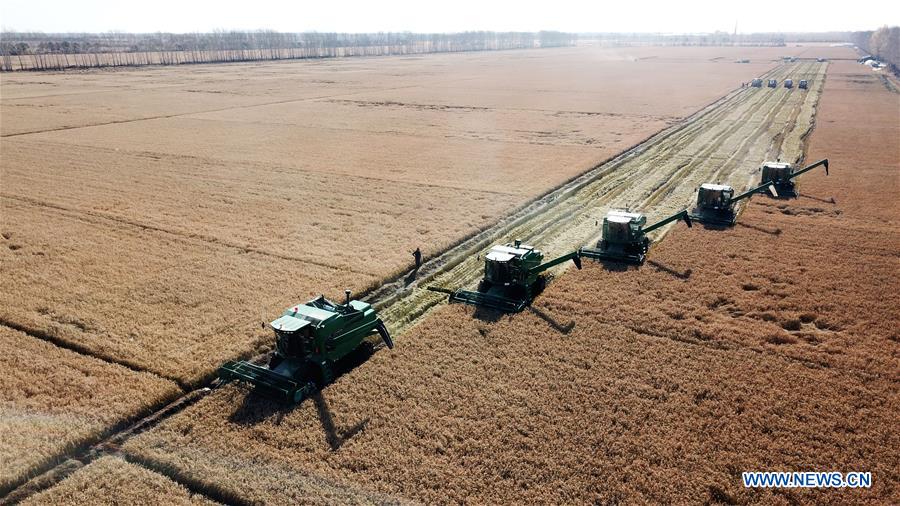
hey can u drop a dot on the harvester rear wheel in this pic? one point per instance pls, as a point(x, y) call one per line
point(324, 375)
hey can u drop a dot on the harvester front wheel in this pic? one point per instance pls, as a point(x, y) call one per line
point(303, 392)
point(538, 286)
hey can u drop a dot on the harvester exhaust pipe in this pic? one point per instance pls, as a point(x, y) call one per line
point(347, 293)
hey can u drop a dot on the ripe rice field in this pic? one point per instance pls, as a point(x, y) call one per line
point(659, 384)
point(153, 218)
point(201, 217)
point(54, 401)
point(111, 480)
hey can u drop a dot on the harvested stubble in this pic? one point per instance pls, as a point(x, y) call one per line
point(156, 216)
point(671, 382)
point(113, 481)
point(53, 401)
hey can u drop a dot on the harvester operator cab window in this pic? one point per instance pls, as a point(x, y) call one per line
point(776, 171)
point(290, 344)
point(714, 196)
point(497, 271)
point(619, 230)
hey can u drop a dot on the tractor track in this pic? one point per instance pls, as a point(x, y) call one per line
point(724, 142)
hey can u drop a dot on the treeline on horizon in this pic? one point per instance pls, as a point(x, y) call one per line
point(40, 51)
point(883, 43)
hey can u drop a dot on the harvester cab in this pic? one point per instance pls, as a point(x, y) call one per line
point(513, 277)
point(625, 238)
point(716, 203)
point(309, 339)
point(781, 175)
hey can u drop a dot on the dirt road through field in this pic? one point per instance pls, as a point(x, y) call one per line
point(723, 143)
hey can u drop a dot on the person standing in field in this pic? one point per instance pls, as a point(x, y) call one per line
point(417, 256)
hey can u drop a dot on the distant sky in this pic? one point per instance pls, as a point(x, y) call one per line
point(446, 15)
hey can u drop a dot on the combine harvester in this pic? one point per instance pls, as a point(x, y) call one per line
point(513, 277)
point(625, 238)
point(309, 339)
point(716, 203)
point(781, 175)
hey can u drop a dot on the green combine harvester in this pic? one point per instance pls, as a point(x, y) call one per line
point(782, 175)
point(624, 237)
point(309, 339)
point(716, 203)
point(513, 277)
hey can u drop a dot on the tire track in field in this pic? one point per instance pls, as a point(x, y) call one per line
point(658, 177)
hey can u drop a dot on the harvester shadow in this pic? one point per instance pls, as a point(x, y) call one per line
point(613, 266)
point(487, 315)
point(776, 231)
point(664, 268)
point(333, 436)
point(829, 200)
point(713, 226)
point(563, 329)
point(257, 408)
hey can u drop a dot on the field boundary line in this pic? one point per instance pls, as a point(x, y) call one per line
point(107, 444)
point(273, 167)
point(219, 109)
point(47, 337)
point(181, 235)
point(80, 448)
